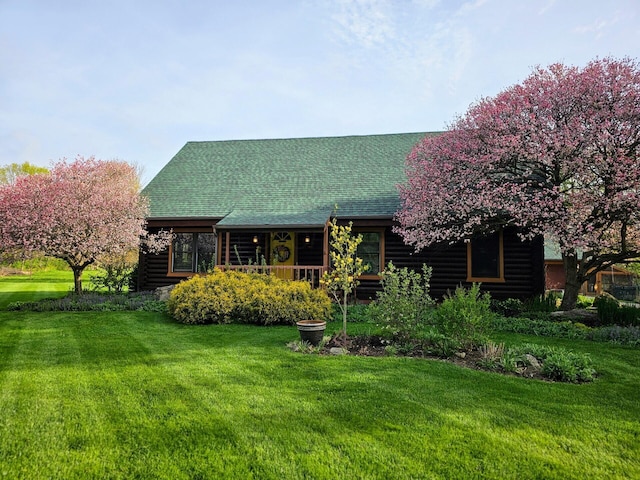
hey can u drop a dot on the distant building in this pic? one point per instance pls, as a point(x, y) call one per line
point(604, 281)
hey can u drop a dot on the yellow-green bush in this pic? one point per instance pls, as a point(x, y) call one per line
point(235, 297)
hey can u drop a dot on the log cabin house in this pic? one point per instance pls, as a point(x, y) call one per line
point(240, 204)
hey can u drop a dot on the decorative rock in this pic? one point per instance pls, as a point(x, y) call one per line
point(162, 293)
point(337, 351)
point(578, 315)
point(533, 361)
point(461, 354)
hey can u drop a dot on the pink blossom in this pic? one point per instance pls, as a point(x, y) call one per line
point(78, 212)
point(557, 155)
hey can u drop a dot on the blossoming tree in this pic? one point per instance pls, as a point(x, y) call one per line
point(557, 155)
point(78, 212)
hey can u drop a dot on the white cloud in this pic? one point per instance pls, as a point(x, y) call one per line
point(470, 7)
point(368, 23)
point(599, 27)
point(546, 7)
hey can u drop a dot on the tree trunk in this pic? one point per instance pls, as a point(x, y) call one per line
point(344, 316)
point(77, 279)
point(573, 282)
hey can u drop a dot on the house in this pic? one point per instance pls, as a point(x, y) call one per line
point(614, 280)
point(267, 203)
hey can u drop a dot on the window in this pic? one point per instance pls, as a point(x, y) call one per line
point(485, 259)
point(370, 250)
point(192, 252)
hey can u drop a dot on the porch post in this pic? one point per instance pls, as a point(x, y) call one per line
point(325, 247)
point(227, 248)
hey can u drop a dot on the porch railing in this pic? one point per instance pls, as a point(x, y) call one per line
point(309, 273)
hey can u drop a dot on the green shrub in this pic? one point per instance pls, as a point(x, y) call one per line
point(112, 279)
point(226, 297)
point(607, 307)
point(436, 343)
point(510, 360)
point(617, 335)
point(556, 363)
point(584, 302)
point(610, 312)
point(464, 316)
point(542, 303)
point(491, 355)
point(627, 316)
point(403, 304)
point(543, 328)
point(511, 307)
point(559, 364)
point(390, 350)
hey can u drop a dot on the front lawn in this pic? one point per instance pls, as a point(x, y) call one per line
point(136, 395)
point(31, 287)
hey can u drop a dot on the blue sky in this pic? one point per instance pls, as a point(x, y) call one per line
point(136, 79)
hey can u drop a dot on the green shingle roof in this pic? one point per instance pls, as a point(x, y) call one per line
point(282, 182)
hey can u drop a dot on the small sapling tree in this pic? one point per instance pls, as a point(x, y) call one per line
point(342, 279)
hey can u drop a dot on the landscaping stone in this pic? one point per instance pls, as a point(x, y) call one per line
point(162, 293)
point(337, 351)
point(578, 315)
point(533, 361)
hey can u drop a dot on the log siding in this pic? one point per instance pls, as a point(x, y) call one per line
point(523, 262)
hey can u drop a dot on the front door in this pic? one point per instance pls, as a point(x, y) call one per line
point(282, 253)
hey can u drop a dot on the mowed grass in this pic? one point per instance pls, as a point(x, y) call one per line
point(39, 285)
point(35, 286)
point(136, 395)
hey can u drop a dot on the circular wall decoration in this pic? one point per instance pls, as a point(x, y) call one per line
point(282, 253)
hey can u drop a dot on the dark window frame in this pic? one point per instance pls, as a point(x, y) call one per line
point(195, 253)
point(483, 277)
point(370, 274)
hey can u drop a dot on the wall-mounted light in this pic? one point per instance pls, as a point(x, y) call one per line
point(307, 239)
point(255, 239)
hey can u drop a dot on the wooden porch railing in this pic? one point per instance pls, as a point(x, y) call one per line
point(309, 273)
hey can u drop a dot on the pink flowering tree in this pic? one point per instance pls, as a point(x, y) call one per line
point(557, 155)
point(79, 212)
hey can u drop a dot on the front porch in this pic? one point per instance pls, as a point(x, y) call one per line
point(309, 273)
point(288, 254)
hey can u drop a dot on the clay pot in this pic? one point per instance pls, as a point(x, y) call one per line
point(311, 331)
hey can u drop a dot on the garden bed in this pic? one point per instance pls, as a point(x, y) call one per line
point(376, 346)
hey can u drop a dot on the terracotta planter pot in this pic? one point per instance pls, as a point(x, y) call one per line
point(311, 331)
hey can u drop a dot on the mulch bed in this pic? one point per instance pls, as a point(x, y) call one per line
point(374, 346)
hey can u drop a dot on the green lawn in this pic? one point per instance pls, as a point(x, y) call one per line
point(39, 285)
point(36, 286)
point(136, 395)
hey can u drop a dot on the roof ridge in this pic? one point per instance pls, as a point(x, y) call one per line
point(325, 137)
